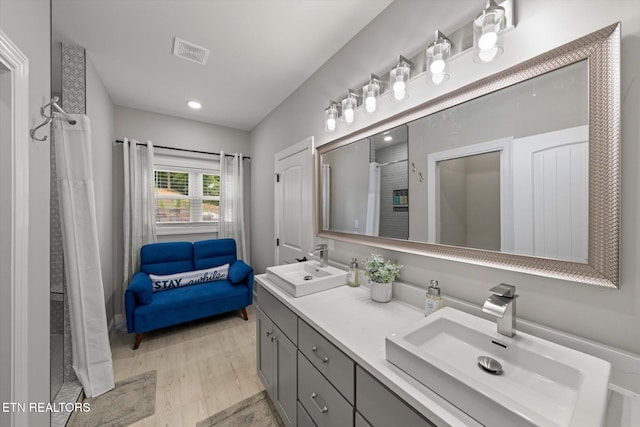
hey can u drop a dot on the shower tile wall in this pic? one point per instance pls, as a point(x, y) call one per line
point(73, 101)
point(394, 222)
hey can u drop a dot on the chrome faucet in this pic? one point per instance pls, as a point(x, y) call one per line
point(502, 304)
point(323, 250)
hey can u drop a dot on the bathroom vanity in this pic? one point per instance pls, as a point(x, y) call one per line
point(330, 347)
point(322, 359)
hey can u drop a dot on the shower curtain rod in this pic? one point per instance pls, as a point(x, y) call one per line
point(119, 141)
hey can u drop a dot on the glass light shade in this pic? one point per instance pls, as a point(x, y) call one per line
point(437, 56)
point(331, 118)
point(349, 105)
point(488, 41)
point(398, 79)
point(370, 93)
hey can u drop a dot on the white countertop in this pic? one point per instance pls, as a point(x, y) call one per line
point(357, 325)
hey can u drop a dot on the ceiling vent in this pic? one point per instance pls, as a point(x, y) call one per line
point(189, 51)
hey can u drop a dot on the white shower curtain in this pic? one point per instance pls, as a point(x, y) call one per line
point(373, 201)
point(89, 332)
point(326, 197)
point(232, 203)
point(139, 214)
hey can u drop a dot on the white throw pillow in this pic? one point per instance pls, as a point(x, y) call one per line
point(188, 278)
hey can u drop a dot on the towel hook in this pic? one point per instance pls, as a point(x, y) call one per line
point(48, 119)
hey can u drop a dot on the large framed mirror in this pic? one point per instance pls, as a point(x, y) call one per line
point(519, 171)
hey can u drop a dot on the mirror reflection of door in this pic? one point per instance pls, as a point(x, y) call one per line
point(551, 194)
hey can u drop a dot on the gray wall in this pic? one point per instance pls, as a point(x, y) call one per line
point(349, 186)
point(167, 131)
point(100, 111)
point(604, 315)
point(469, 212)
point(27, 24)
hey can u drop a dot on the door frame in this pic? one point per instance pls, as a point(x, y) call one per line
point(18, 65)
point(308, 145)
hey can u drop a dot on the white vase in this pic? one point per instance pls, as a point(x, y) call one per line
point(381, 292)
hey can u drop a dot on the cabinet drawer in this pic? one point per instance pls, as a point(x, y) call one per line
point(381, 407)
point(322, 401)
point(361, 422)
point(304, 419)
point(279, 313)
point(330, 361)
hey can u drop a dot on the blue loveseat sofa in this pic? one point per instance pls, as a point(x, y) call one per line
point(147, 309)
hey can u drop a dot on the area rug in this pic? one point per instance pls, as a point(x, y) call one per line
point(254, 411)
point(131, 400)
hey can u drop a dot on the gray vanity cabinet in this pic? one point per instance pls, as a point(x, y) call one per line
point(332, 363)
point(276, 354)
point(304, 419)
point(264, 332)
point(361, 422)
point(326, 406)
point(380, 407)
point(313, 383)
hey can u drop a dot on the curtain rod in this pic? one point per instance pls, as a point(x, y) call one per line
point(119, 141)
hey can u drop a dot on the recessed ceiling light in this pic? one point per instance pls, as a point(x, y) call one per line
point(388, 138)
point(194, 104)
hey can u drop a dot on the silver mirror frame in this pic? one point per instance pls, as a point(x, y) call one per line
point(601, 49)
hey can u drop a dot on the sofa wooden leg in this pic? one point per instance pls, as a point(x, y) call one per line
point(244, 314)
point(138, 339)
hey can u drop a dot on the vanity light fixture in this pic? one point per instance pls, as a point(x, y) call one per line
point(194, 105)
point(437, 59)
point(399, 77)
point(488, 41)
point(331, 114)
point(349, 105)
point(370, 93)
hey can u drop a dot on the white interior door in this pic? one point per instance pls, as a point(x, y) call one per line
point(551, 194)
point(294, 202)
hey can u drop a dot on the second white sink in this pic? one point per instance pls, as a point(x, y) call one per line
point(542, 383)
point(305, 278)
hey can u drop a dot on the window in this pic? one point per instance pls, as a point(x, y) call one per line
point(187, 195)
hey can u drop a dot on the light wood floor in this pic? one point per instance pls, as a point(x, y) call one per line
point(203, 366)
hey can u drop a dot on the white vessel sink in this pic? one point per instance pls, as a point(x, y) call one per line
point(542, 383)
point(305, 278)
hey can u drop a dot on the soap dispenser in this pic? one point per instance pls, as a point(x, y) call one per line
point(434, 299)
point(354, 274)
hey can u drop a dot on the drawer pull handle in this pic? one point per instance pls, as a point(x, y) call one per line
point(322, 410)
point(324, 359)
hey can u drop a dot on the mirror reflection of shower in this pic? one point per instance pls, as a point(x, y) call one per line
point(389, 152)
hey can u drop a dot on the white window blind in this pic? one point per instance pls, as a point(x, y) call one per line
point(187, 194)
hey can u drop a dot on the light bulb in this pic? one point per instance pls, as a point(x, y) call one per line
point(370, 104)
point(488, 39)
point(437, 78)
point(437, 66)
point(349, 115)
point(487, 55)
point(399, 89)
point(331, 123)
